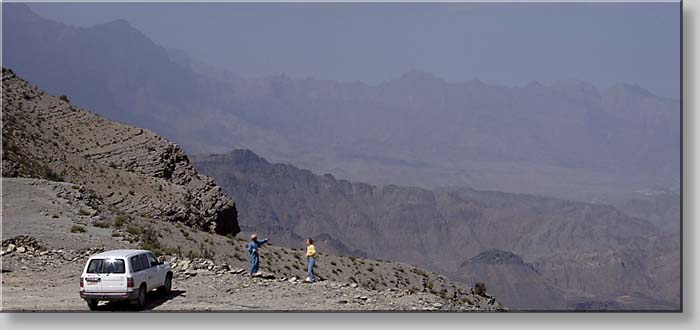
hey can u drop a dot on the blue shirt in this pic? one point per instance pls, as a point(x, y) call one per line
point(254, 245)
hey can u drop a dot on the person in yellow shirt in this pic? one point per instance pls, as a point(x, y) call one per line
point(311, 258)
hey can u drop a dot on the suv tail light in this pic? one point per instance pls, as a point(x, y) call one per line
point(81, 282)
point(129, 282)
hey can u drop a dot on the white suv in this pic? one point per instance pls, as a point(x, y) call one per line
point(123, 275)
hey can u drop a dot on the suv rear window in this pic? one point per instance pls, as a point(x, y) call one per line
point(103, 266)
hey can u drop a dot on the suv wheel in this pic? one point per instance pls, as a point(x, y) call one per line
point(168, 285)
point(92, 304)
point(141, 300)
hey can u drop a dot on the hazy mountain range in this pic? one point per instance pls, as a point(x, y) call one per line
point(415, 130)
point(582, 147)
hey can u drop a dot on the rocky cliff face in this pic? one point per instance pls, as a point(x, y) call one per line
point(129, 170)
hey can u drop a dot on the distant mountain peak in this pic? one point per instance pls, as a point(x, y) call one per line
point(122, 27)
point(575, 84)
point(13, 13)
point(18, 8)
point(575, 88)
point(415, 75)
point(629, 89)
point(121, 23)
point(496, 256)
point(246, 154)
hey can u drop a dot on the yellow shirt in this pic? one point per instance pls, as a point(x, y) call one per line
point(310, 251)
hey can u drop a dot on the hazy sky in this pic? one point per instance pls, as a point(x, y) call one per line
point(502, 43)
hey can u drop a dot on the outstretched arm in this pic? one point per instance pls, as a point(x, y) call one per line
point(262, 241)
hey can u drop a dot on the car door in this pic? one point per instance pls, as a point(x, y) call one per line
point(92, 281)
point(157, 273)
point(113, 275)
point(149, 272)
point(138, 272)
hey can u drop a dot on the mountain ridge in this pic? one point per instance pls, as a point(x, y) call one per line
point(571, 248)
point(606, 143)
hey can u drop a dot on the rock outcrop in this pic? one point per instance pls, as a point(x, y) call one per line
point(506, 274)
point(129, 170)
point(497, 257)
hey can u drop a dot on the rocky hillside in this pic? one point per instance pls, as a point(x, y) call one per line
point(79, 184)
point(203, 286)
point(128, 170)
point(46, 229)
point(572, 250)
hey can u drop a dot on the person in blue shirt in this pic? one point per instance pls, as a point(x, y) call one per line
point(253, 247)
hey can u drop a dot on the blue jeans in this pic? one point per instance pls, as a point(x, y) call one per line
point(311, 261)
